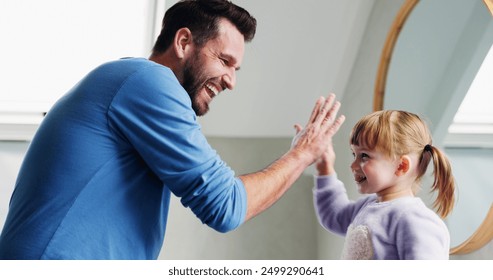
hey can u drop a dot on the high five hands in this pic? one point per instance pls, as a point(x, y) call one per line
point(311, 143)
point(315, 140)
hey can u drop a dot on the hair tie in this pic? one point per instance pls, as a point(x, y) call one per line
point(428, 148)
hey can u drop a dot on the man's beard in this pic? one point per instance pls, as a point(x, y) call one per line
point(193, 82)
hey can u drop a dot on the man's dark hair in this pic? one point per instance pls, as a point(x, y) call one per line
point(202, 17)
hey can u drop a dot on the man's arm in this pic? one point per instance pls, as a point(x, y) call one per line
point(265, 187)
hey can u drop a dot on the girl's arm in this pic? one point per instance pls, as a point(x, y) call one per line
point(335, 212)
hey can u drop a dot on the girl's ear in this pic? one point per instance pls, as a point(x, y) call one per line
point(404, 165)
point(182, 42)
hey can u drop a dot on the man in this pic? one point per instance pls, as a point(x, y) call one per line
point(97, 178)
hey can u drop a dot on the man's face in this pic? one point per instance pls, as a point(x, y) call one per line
point(211, 69)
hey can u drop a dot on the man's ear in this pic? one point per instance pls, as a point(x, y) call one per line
point(403, 165)
point(182, 42)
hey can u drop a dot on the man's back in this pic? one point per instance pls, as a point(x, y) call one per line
point(83, 191)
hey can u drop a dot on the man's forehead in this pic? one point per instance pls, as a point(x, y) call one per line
point(231, 41)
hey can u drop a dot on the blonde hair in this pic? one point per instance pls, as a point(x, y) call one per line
point(397, 133)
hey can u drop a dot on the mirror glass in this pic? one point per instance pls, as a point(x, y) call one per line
point(435, 60)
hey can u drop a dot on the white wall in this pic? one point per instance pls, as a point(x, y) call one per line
point(11, 155)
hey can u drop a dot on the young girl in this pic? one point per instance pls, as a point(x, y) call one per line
point(392, 150)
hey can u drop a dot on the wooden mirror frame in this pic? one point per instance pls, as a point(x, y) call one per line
point(484, 234)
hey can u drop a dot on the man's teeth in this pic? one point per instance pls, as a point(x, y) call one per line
point(212, 89)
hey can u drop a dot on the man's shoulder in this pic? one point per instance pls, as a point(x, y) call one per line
point(132, 64)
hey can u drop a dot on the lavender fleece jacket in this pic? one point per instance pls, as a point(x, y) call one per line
point(403, 228)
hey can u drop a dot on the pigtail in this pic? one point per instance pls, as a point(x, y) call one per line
point(443, 183)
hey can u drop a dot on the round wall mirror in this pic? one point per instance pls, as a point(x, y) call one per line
point(431, 57)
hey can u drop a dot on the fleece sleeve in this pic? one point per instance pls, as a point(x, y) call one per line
point(334, 210)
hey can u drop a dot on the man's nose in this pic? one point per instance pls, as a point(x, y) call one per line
point(230, 78)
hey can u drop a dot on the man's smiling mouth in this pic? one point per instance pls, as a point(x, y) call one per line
point(212, 89)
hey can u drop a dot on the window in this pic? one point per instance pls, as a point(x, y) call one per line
point(473, 123)
point(47, 46)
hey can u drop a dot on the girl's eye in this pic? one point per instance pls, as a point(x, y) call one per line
point(363, 156)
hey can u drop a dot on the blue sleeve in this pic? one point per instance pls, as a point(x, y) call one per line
point(152, 114)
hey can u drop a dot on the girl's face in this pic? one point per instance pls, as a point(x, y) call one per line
point(375, 172)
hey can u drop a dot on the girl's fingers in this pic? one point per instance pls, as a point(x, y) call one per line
point(298, 128)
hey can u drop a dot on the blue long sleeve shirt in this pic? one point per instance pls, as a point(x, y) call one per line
point(96, 180)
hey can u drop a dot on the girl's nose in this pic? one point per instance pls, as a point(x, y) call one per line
point(354, 165)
